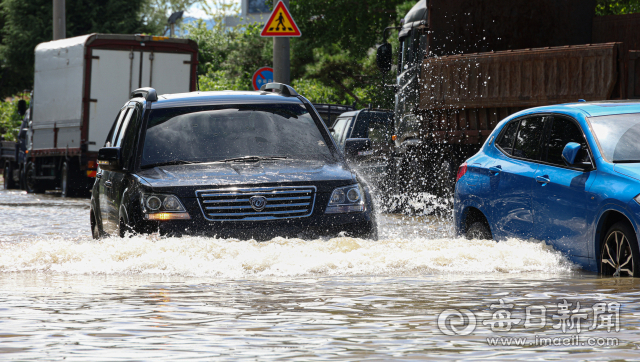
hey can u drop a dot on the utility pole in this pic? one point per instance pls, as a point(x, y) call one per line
point(59, 20)
point(281, 55)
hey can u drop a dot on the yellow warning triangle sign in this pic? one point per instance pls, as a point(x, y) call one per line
point(280, 23)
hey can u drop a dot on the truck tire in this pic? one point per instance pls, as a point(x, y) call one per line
point(23, 182)
point(33, 186)
point(7, 174)
point(69, 180)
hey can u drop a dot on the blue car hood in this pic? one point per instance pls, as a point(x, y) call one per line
point(628, 169)
point(279, 172)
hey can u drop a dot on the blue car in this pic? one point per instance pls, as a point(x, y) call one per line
point(568, 175)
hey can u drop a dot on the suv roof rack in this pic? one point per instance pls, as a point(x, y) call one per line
point(147, 93)
point(281, 88)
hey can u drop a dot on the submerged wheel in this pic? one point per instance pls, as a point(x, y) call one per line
point(32, 185)
point(7, 174)
point(619, 254)
point(67, 183)
point(478, 230)
point(95, 229)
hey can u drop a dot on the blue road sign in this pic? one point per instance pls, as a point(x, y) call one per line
point(262, 76)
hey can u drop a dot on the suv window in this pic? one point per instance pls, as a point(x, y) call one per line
point(508, 136)
point(563, 131)
point(123, 127)
point(114, 129)
point(339, 130)
point(380, 132)
point(527, 142)
point(216, 133)
point(130, 133)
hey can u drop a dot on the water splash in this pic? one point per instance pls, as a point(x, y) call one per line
point(198, 256)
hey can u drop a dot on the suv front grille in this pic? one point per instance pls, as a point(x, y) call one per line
point(234, 204)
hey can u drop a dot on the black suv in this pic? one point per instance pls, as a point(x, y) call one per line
point(228, 164)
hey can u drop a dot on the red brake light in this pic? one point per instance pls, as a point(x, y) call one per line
point(461, 171)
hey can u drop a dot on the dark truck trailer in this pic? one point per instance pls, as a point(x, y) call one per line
point(78, 83)
point(464, 65)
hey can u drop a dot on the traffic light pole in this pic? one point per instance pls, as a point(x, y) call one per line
point(281, 56)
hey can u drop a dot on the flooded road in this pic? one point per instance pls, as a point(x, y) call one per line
point(65, 296)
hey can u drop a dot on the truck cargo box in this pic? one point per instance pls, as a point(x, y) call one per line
point(463, 97)
point(520, 78)
point(80, 83)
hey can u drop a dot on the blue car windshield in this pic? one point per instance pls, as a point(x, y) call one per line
point(217, 133)
point(618, 136)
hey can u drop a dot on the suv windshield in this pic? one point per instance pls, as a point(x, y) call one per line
point(217, 133)
point(618, 136)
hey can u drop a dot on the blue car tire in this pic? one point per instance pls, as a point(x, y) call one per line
point(619, 256)
point(479, 230)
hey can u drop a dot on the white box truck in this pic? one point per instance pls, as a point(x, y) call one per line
point(80, 84)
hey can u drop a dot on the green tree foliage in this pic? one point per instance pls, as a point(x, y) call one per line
point(10, 119)
point(617, 7)
point(27, 23)
point(155, 13)
point(333, 62)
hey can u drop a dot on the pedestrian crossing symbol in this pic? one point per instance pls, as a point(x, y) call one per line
point(280, 23)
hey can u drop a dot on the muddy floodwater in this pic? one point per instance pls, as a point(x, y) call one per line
point(416, 294)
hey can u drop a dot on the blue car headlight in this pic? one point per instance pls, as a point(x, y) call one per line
point(346, 199)
point(637, 198)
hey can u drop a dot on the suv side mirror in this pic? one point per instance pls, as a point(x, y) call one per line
point(109, 159)
point(354, 147)
point(570, 153)
point(384, 57)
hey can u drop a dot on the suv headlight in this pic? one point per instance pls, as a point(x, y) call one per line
point(163, 207)
point(346, 199)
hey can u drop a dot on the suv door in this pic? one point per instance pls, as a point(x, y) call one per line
point(512, 175)
point(105, 183)
point(124, 140)
point(560, 193)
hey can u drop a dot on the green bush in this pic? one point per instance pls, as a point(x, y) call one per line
point(10, 119)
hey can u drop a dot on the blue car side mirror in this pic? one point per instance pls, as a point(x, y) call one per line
point(570, 152)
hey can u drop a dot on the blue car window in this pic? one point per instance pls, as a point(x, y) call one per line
point(618, 136)
point(507, 137)
point(527, 143)
point(563, 131)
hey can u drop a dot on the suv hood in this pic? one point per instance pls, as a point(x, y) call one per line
point(628, 169)
point(325, 176)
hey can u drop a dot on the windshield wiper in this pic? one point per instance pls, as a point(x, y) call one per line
point(626, 161)
point(253, 158)
point(167, 163)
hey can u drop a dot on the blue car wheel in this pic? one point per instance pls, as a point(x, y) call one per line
point(619, 254)
point(479, 230)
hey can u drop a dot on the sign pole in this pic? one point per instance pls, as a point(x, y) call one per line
point(281, 55)
point(59, 20)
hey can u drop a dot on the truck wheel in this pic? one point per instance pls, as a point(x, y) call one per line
point(619, 256)
point(23, 182)
point(32, 185)
point(69, 181)
point(8, 177)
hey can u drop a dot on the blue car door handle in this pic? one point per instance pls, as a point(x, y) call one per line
point(543, 179)
point(495, 170)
